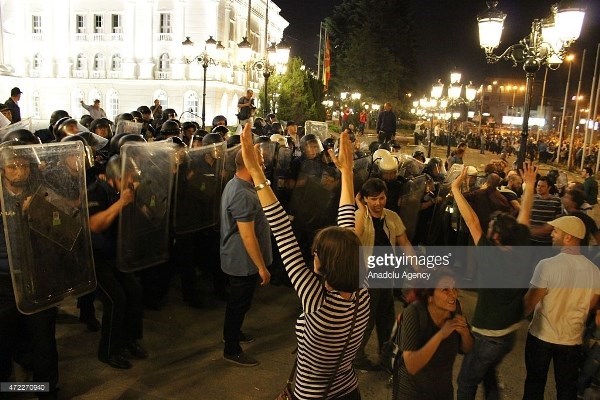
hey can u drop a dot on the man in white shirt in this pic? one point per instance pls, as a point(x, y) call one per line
point(95, 111)
point(564, 289)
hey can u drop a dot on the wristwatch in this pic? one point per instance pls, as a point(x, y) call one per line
point(262, 185)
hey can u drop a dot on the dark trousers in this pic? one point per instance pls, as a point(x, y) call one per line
point(38, 330)
point(381, 315)
point(121, 296)
point(239, 302)
point(566, 361)
point(479, 365)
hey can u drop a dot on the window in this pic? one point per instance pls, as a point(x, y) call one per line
point(116, 24)
point(190, 103)
point(80, 23)
point(80, 62)
point(164, 62)
point(93, 95)
point(35, 105)
point(162, 96)
point(231, 30)
point(99, 62)
point(37, 61)
point(115, 64)
point(112, 104)
point(36, 24)
point(254, 40)
point(165, 23)
point(98, 23)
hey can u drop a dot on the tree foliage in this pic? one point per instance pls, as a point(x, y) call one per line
point(373, 48)
point(300, 94)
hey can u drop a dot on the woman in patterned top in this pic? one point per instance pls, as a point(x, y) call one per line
point(335, 308)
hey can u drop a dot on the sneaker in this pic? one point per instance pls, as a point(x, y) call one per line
point(244, 338)
point(242, 359)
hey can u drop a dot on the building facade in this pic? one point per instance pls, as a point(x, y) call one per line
point(127, 53)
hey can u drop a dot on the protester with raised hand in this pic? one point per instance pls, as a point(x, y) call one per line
point(334, 306)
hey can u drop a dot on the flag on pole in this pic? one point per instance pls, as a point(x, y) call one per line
point(326, 62)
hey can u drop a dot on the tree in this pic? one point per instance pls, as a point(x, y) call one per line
point(373, 48)
point(300, 93)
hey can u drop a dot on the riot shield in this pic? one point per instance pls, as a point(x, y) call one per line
point(229, 164)
point(362, 170)
point(453, 173)
point(23, 124)
point(409, 203)
point(314, 197)
point(46, 227)
point(149, 169)
point(409, 166)
point(198, 188)
point(317, 128)
point(129, 127)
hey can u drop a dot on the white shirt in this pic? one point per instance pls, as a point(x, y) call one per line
point(95, 113)
point(571, 282)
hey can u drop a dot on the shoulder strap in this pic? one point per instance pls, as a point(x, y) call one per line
point(339, 361)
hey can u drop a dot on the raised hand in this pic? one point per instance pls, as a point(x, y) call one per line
point(344, 161)
point(460, 179)
point(529, 173)
point(249, 154)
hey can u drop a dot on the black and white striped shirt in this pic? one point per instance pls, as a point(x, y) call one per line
point(324, 326)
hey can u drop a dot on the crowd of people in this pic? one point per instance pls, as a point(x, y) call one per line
point(263, 205)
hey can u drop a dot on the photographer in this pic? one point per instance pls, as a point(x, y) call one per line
point(246, 110)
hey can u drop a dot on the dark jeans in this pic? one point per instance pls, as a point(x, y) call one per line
point(238, 304)
point(121, 296)
point(479, 365)
point(566, 361)
point(37, 330)
point(381, 315)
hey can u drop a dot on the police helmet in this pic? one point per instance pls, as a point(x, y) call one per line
point(395, 145)
point(168, 113)
point(137, 116)
point(144, 110)
point(175, 140)
point(278, 138)
point(221, 130)
point(130, 138)
point(219, 120)
point(212, 138)
point(380, 153)
point(56, 115)
point(86, 120)
point(64, 127)
point(419, 155)
point(123, 117)
point(233, 140)
point(101, 123)
point(169, 128)
point(276, 128)
point(263, 139)
point(113, 168)
point(388, 163)
point(187, 125)
point(21, 136)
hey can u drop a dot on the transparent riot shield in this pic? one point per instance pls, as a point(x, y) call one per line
point(45, 219)
point(149, 169)
point(129, 127)
point(281, 174)
point(198, 188)
point(317, 128)
point(229, 164)
point(314, 197)
point(410, 203)
point(362, 171)
point(409, 166)
point(23, 124)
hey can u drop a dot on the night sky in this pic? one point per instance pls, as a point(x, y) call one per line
point(447, 37)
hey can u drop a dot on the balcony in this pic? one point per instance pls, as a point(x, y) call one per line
point(114, 74)
point(80, 73)
point(116, 37)
point(36, 37)
point(164, 37)
point(162, 75)
point(97, 37)
point(98, 75)
point(81, 37)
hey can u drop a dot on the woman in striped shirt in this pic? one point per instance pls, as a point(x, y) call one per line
point(335, 308)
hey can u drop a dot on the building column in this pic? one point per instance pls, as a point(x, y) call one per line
point(145, 36)
point(128, 63)
point(178, 64)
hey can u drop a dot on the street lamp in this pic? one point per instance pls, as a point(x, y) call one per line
point(533, 51)
point(210, 56)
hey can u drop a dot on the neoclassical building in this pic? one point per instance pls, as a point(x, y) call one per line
point(128, 53)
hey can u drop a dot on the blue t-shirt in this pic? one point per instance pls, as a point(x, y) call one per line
point(239, 202)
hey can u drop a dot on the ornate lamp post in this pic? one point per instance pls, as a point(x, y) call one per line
point(545, 45)
point(210, 56)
